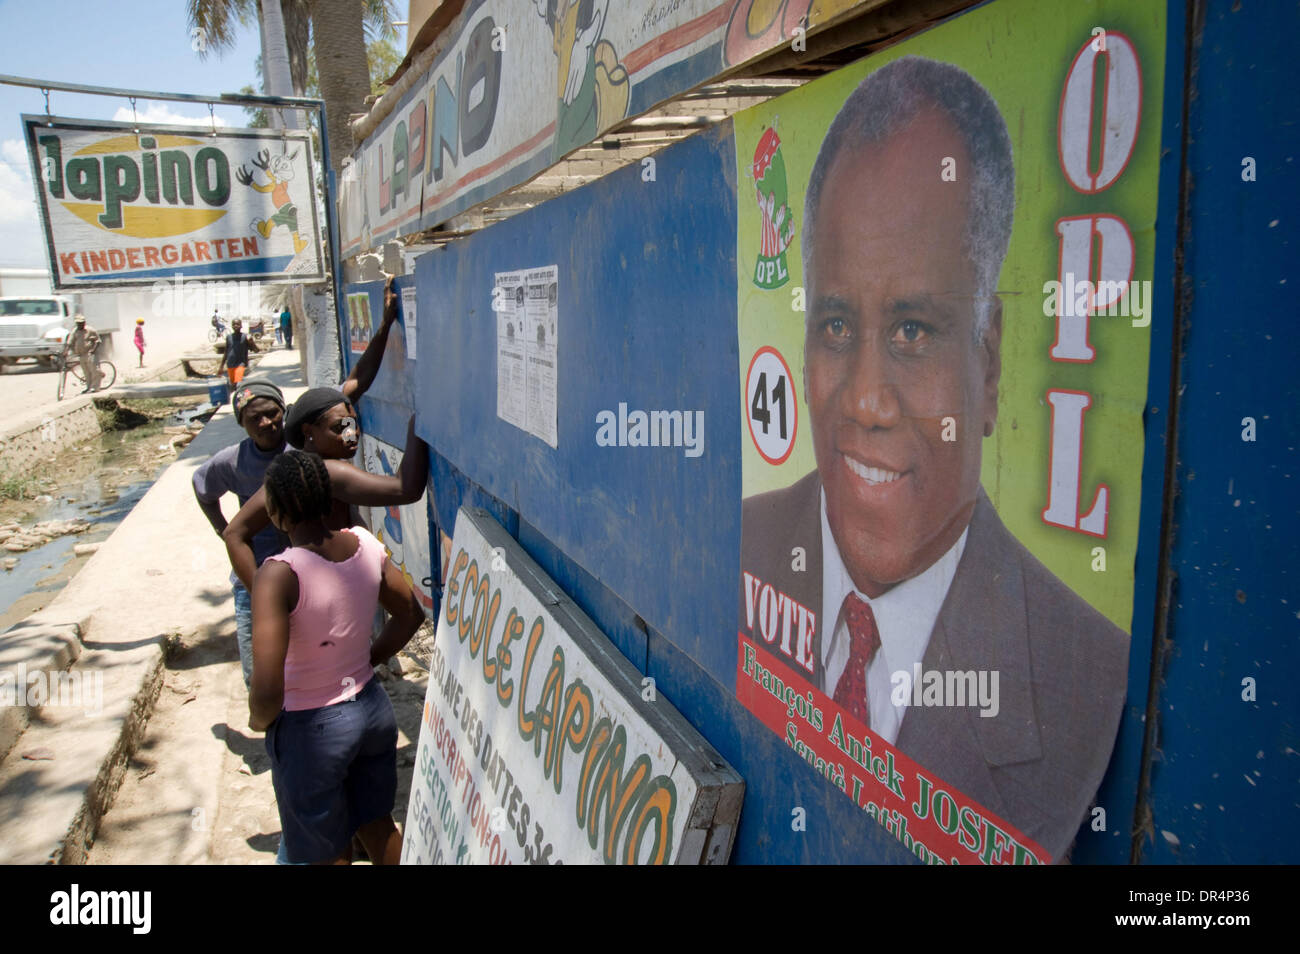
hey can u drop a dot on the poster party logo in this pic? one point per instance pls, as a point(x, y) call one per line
point(777, 230)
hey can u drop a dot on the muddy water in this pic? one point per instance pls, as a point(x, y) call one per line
point(97, 482)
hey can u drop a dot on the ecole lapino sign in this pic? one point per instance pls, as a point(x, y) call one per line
point(540, 743)
point(128, 206)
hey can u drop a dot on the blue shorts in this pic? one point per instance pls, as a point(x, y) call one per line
point(334, 769)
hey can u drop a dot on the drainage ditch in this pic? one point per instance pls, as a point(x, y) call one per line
point(94, 485)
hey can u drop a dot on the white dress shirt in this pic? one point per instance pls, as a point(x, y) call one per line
point(904, 615)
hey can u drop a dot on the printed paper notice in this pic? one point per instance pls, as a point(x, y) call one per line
point(526, 305)
point(408, 319)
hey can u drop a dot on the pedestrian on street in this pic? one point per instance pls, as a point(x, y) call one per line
point(330, 728)
point(84, 343)
point(235, 360)
point(139, 339)
point(240, 470)
point(286, 327)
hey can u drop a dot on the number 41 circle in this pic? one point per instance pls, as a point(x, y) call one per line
point(770, 405)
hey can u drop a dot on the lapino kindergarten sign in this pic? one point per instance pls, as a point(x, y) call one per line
point(541, 744)
point(124, 205)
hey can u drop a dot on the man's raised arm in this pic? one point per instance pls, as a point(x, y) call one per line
point(367, 366)
point(356, 486)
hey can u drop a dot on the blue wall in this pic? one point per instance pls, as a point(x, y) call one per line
point(648, 318)
point(1223, 775)
point(647, 307)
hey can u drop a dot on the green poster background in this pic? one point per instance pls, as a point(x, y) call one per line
point(1021, 51)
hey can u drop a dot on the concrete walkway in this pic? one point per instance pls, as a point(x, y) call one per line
point(160, 581)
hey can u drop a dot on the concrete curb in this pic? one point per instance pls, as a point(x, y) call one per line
point(161, 573)
point(160, 373)
point(34, 437)
point(27, 649)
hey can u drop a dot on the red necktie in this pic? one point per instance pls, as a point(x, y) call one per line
point(864, 640)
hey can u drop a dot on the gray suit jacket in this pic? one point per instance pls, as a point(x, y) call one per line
point(1062, 666)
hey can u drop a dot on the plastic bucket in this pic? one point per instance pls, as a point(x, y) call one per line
point(219, 393)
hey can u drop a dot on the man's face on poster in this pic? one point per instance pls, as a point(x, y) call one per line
point(891, 364)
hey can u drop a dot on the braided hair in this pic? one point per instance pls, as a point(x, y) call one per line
point(298, 486)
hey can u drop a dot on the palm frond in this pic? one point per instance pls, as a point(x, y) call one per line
point(378, 16)
point(219, 21)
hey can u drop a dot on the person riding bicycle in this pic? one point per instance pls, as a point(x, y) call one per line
point(84, 342)
point(218, 325)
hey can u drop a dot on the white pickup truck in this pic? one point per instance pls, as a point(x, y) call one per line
point(35, 326)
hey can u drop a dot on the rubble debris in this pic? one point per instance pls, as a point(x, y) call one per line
point(20, 540)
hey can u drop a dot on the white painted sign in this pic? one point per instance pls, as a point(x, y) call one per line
point(540, 743)
point(517, 86)
point(130, 206)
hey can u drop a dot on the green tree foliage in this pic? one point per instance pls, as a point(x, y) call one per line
point(383, 56)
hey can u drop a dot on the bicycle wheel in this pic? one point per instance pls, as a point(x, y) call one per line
point(63, 381)
point(107, 374)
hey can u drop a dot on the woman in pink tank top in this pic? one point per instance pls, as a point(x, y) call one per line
point(330, 729)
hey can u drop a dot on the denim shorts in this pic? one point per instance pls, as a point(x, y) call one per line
point(334, 769)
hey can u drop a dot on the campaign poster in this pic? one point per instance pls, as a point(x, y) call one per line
point(127, 206)
point(360, 328)
point(945, 258)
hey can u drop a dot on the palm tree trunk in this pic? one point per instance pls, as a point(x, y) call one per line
point(275, 62)
point(340, 46)
point(297, 36)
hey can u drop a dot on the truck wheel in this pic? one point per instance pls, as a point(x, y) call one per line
point(45, 362)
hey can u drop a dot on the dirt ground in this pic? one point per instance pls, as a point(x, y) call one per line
point(198, 791)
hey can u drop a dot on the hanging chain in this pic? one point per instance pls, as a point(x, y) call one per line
point(135, 120)
point(212, 114)
point(47, 106)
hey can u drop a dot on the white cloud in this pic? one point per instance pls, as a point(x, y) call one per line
point(17, 199)
point(21, 240)
point(163, 114)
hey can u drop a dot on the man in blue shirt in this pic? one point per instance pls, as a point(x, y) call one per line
point(241, 468)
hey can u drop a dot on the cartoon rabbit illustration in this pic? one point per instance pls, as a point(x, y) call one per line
point(279, 172)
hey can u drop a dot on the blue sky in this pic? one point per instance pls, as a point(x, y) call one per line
point(136, 44)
